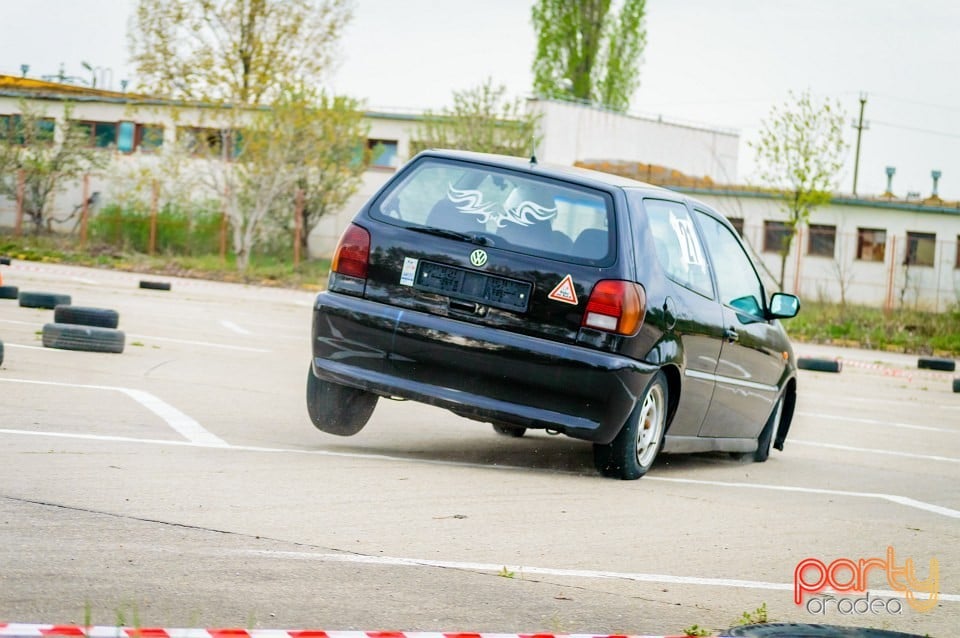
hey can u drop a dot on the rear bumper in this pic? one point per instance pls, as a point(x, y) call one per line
point(478, 372)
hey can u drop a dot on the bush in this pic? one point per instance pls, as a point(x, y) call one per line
point(180, 232)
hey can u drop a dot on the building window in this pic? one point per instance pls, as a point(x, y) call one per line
point(737, 222)
point(98, 134)
point(146, 137)
point(210, 142)
point(776, 236)
point(382, 153)
point(871, 244)
point(822, 239)
point(12, 130)
point(921, 248)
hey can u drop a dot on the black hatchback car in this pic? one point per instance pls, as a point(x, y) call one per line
point(555, 298)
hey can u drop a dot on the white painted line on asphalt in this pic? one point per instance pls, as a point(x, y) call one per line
point(85, 281)
point(229, 325)
point(868, 450)
point(17, 345)
point(20, 323)
point(825, 398)
point(893, 498)
point(180, 422)
point(548, 571)
point(909, 426)
point(199, 343)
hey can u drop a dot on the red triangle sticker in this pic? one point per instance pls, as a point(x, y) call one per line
point(564, 292)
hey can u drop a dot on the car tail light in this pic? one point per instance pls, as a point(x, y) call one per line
point(616, 306)
point(353, 253)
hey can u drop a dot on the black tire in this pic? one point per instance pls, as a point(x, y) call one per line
point(49, 300)
point(937, 363)
point(513, 431)
point(632, 453)
point(338, 409)
point(9, 292)
point(803, 630)
point(4, 261)
point(101, 317)
point(819, 365)
point(65, 336)
point(769, 433)
point(956, 385)
point(155, 285)
point(1, 353)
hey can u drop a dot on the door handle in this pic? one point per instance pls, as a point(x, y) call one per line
point(731, 335)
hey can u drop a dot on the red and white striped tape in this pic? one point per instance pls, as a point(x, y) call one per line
point(14, 630)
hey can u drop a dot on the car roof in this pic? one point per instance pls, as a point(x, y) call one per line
point(571, 173)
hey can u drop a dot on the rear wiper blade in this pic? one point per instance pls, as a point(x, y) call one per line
point(473, 238)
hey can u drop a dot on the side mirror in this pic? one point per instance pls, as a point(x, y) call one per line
point(784, 306)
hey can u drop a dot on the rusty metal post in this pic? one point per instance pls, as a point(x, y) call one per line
point(298, 227)
point(21, 192)
point(85, 210)
point(154, 200)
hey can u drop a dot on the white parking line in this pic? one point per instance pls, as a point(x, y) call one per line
point(229, 325)
point(890, 424)
point(549, 571)
point(869, 450)
point(180, 422)
point(905, 501)
point(199, 343)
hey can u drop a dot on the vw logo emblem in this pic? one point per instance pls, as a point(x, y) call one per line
point(478, 258)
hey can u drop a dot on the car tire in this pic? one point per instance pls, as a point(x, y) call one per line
point(100, 317)
point(338, 409)
point(9, 292)
point(513, 431)
point(4, 261)
point(769, 433)
point(66, 336)
point(48, 300)
point(956, 385)
point(632, 453)
point(805, 630)
point(1, 353)
point(937, 363)
point(155, 285)
point(819, 365)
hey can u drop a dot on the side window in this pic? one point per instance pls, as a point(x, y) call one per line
point(678, 246)
point(737, 281)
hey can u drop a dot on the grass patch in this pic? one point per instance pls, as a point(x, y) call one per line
point(907, 331)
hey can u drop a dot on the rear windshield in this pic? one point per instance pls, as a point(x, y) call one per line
point(511, 210)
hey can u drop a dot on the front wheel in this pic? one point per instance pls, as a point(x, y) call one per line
point(338, 409)
point(632, 453)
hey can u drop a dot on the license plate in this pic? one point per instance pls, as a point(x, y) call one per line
point(470, 285)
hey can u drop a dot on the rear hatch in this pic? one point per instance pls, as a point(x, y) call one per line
point(497, 247)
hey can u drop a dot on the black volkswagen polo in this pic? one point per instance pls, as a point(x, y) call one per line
point(555, 298)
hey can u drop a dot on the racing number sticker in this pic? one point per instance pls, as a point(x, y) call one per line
point(564, 292)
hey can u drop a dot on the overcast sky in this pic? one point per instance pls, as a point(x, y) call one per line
point(719, 63)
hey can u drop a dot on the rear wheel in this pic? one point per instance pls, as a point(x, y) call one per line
point(632, 453)
point(338, 409)
point(509, 430)
point(769, 433)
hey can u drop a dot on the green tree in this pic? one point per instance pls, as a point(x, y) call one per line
point(482, 119)
point(48, 161)
point(586, 51)
point(305, 140)
point(237, 51)
point(800, 152)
